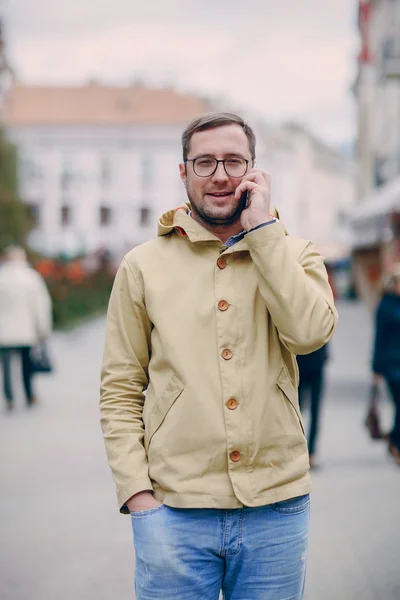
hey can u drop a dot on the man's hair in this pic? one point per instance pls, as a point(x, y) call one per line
point(213, 120)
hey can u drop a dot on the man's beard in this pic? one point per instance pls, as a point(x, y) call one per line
point(207, 214)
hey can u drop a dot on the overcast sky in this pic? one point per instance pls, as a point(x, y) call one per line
point(282, 59)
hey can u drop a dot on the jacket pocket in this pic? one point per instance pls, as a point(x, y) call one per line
point(155, 419)
point(290, 393)
point(293, 505)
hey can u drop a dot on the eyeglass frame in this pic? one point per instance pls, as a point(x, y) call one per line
point(192, 160)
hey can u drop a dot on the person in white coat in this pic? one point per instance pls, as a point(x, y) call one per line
point(25, 317)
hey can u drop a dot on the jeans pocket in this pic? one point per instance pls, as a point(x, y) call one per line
point(147, 512)
point(292, 505)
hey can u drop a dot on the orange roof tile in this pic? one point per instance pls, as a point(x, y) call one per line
point(95, 104)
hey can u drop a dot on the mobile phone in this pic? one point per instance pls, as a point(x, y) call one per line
point(245, 200)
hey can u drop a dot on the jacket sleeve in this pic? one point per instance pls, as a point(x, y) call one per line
point(378, 356)
point(296, 292)
point(124, 377)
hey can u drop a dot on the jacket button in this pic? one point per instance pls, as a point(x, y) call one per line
point(221, 262)
point(232, 404)
point(223, 305)
point(235, 456)
point(227, 354)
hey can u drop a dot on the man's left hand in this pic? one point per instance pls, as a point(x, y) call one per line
point(257, 184)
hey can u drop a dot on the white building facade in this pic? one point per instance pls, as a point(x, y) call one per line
point(94, 181)
point(313, 187)
point(98, 166)
point(102, 188)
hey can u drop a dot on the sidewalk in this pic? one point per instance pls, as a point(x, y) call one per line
point(63, 538)
point(355, 527)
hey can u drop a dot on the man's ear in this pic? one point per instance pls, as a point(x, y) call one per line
point(182, 172)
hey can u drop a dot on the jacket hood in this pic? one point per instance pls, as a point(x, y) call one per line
point(178, 219)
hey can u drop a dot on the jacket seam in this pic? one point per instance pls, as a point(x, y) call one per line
point(303, 251)
point(202, 494)
point(141, 290)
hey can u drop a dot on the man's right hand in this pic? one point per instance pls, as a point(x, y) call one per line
point(142, 501)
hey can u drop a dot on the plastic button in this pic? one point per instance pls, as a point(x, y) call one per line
point(221, 262)
point(232, 404)
point(223, 305)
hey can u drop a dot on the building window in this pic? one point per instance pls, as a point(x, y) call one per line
point(34, 214)
point(65, 216)
point(144, 216)
point(147, 170)
point(67, 174)
point(66, 180)
point(30, 172)
point(105, 171)
point(105, 216)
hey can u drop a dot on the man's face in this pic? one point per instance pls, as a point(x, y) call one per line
point(212, 197)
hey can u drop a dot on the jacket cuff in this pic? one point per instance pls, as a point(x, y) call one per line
point(265, 235)
point(274, 220)
point(138, 485)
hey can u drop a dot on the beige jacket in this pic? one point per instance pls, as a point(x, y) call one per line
point(199, 379)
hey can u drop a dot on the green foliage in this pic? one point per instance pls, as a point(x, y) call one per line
point(15, 221)
point(75, 302)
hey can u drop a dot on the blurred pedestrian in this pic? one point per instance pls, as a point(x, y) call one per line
point(386, 353)
point(25, 318)
point(212, 463)
point(311, 391)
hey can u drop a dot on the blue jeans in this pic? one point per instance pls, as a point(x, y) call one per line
point(248, 553)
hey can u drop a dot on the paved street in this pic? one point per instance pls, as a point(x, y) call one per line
point(62, 537)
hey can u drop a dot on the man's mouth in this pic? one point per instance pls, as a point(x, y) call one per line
point(220, 194)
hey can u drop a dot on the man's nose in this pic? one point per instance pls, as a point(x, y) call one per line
point(220, 173)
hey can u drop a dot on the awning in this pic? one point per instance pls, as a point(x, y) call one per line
point(370, 219)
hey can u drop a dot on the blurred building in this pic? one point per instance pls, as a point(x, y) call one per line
point(98, 164)
point(312, 186)
point(377, 91)
point(6, 73)
point(375, 221)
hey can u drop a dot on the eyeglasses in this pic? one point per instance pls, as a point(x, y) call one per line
point(206, 166)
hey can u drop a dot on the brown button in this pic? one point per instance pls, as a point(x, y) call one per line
point(235, 456)
point(223, 305)
point(227, 354)
point(221, 262)
point(232, 404)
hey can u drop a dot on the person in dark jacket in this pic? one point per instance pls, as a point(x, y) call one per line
point(311, 371)
point(386, 354)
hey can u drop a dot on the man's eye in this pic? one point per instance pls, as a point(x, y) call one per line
point(205, 162)
point(234, 162)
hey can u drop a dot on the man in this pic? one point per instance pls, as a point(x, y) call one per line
point(212, 463)
point(25, 318)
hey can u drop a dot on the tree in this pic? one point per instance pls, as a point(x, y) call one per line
point(15, 220)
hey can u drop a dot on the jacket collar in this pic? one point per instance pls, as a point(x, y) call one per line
point(179, 221)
